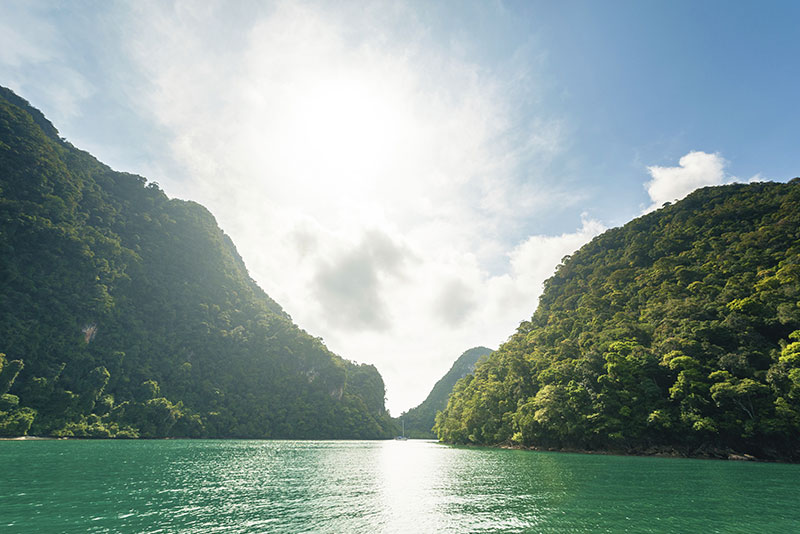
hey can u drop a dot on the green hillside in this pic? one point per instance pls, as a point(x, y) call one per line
point(679, 330)
point(419, 420)
point(124, 313)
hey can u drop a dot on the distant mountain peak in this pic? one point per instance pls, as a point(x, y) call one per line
point(419, 420)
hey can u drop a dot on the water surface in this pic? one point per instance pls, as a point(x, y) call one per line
point(206, 486)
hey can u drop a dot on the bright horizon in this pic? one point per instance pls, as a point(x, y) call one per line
point(402, 177)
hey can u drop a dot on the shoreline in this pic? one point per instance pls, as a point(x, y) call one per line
point(665, 453)
point(30, 438)
point(710, 453)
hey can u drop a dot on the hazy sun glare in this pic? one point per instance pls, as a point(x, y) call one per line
point(364, 178)
point(345, 131)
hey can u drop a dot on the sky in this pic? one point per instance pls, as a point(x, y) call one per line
point(402, 176)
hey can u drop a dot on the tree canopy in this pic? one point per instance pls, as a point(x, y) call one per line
point(680, 329)
point(418, 421)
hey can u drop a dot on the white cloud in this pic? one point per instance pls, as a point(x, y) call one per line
point(349, 290)
point(371, 180)
point(454, 303)
point(695, 169)
point(516, 293)
point(535, 259)
point(447, 303)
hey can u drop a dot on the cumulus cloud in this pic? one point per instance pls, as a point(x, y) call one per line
point(349, 295)
point(535, 259)
point(454, 303)
point(449, 303)
point(532, 262)
point(695, 169)
point(349, 290)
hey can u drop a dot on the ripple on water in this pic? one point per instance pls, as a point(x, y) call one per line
point(384, 487)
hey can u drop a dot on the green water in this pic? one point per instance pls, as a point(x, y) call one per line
point(392, 486)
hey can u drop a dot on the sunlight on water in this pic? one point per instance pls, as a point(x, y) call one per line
point(384, 487)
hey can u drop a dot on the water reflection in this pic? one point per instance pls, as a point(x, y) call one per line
point(427, 487)
point(411, 473)
point(377, 487)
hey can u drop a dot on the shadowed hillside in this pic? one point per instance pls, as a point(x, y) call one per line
point(124, 313)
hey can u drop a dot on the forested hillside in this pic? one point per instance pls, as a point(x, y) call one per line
point(419, 420)
point(124, 313)
point(679, 330)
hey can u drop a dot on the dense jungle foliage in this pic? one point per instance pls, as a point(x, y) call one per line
point(419, 420)
point(124, 313)
point(680, 329)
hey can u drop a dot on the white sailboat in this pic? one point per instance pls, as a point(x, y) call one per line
point(402, 437)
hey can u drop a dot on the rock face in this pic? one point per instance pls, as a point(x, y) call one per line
point(134, 315)
point(679, 330)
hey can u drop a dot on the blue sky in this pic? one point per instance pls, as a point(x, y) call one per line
point(402, 177)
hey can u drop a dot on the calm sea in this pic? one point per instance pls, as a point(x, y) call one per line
point(373, 487)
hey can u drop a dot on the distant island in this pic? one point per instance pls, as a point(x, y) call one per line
point(124, 314)
point(678, 333)
point(419, 420)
